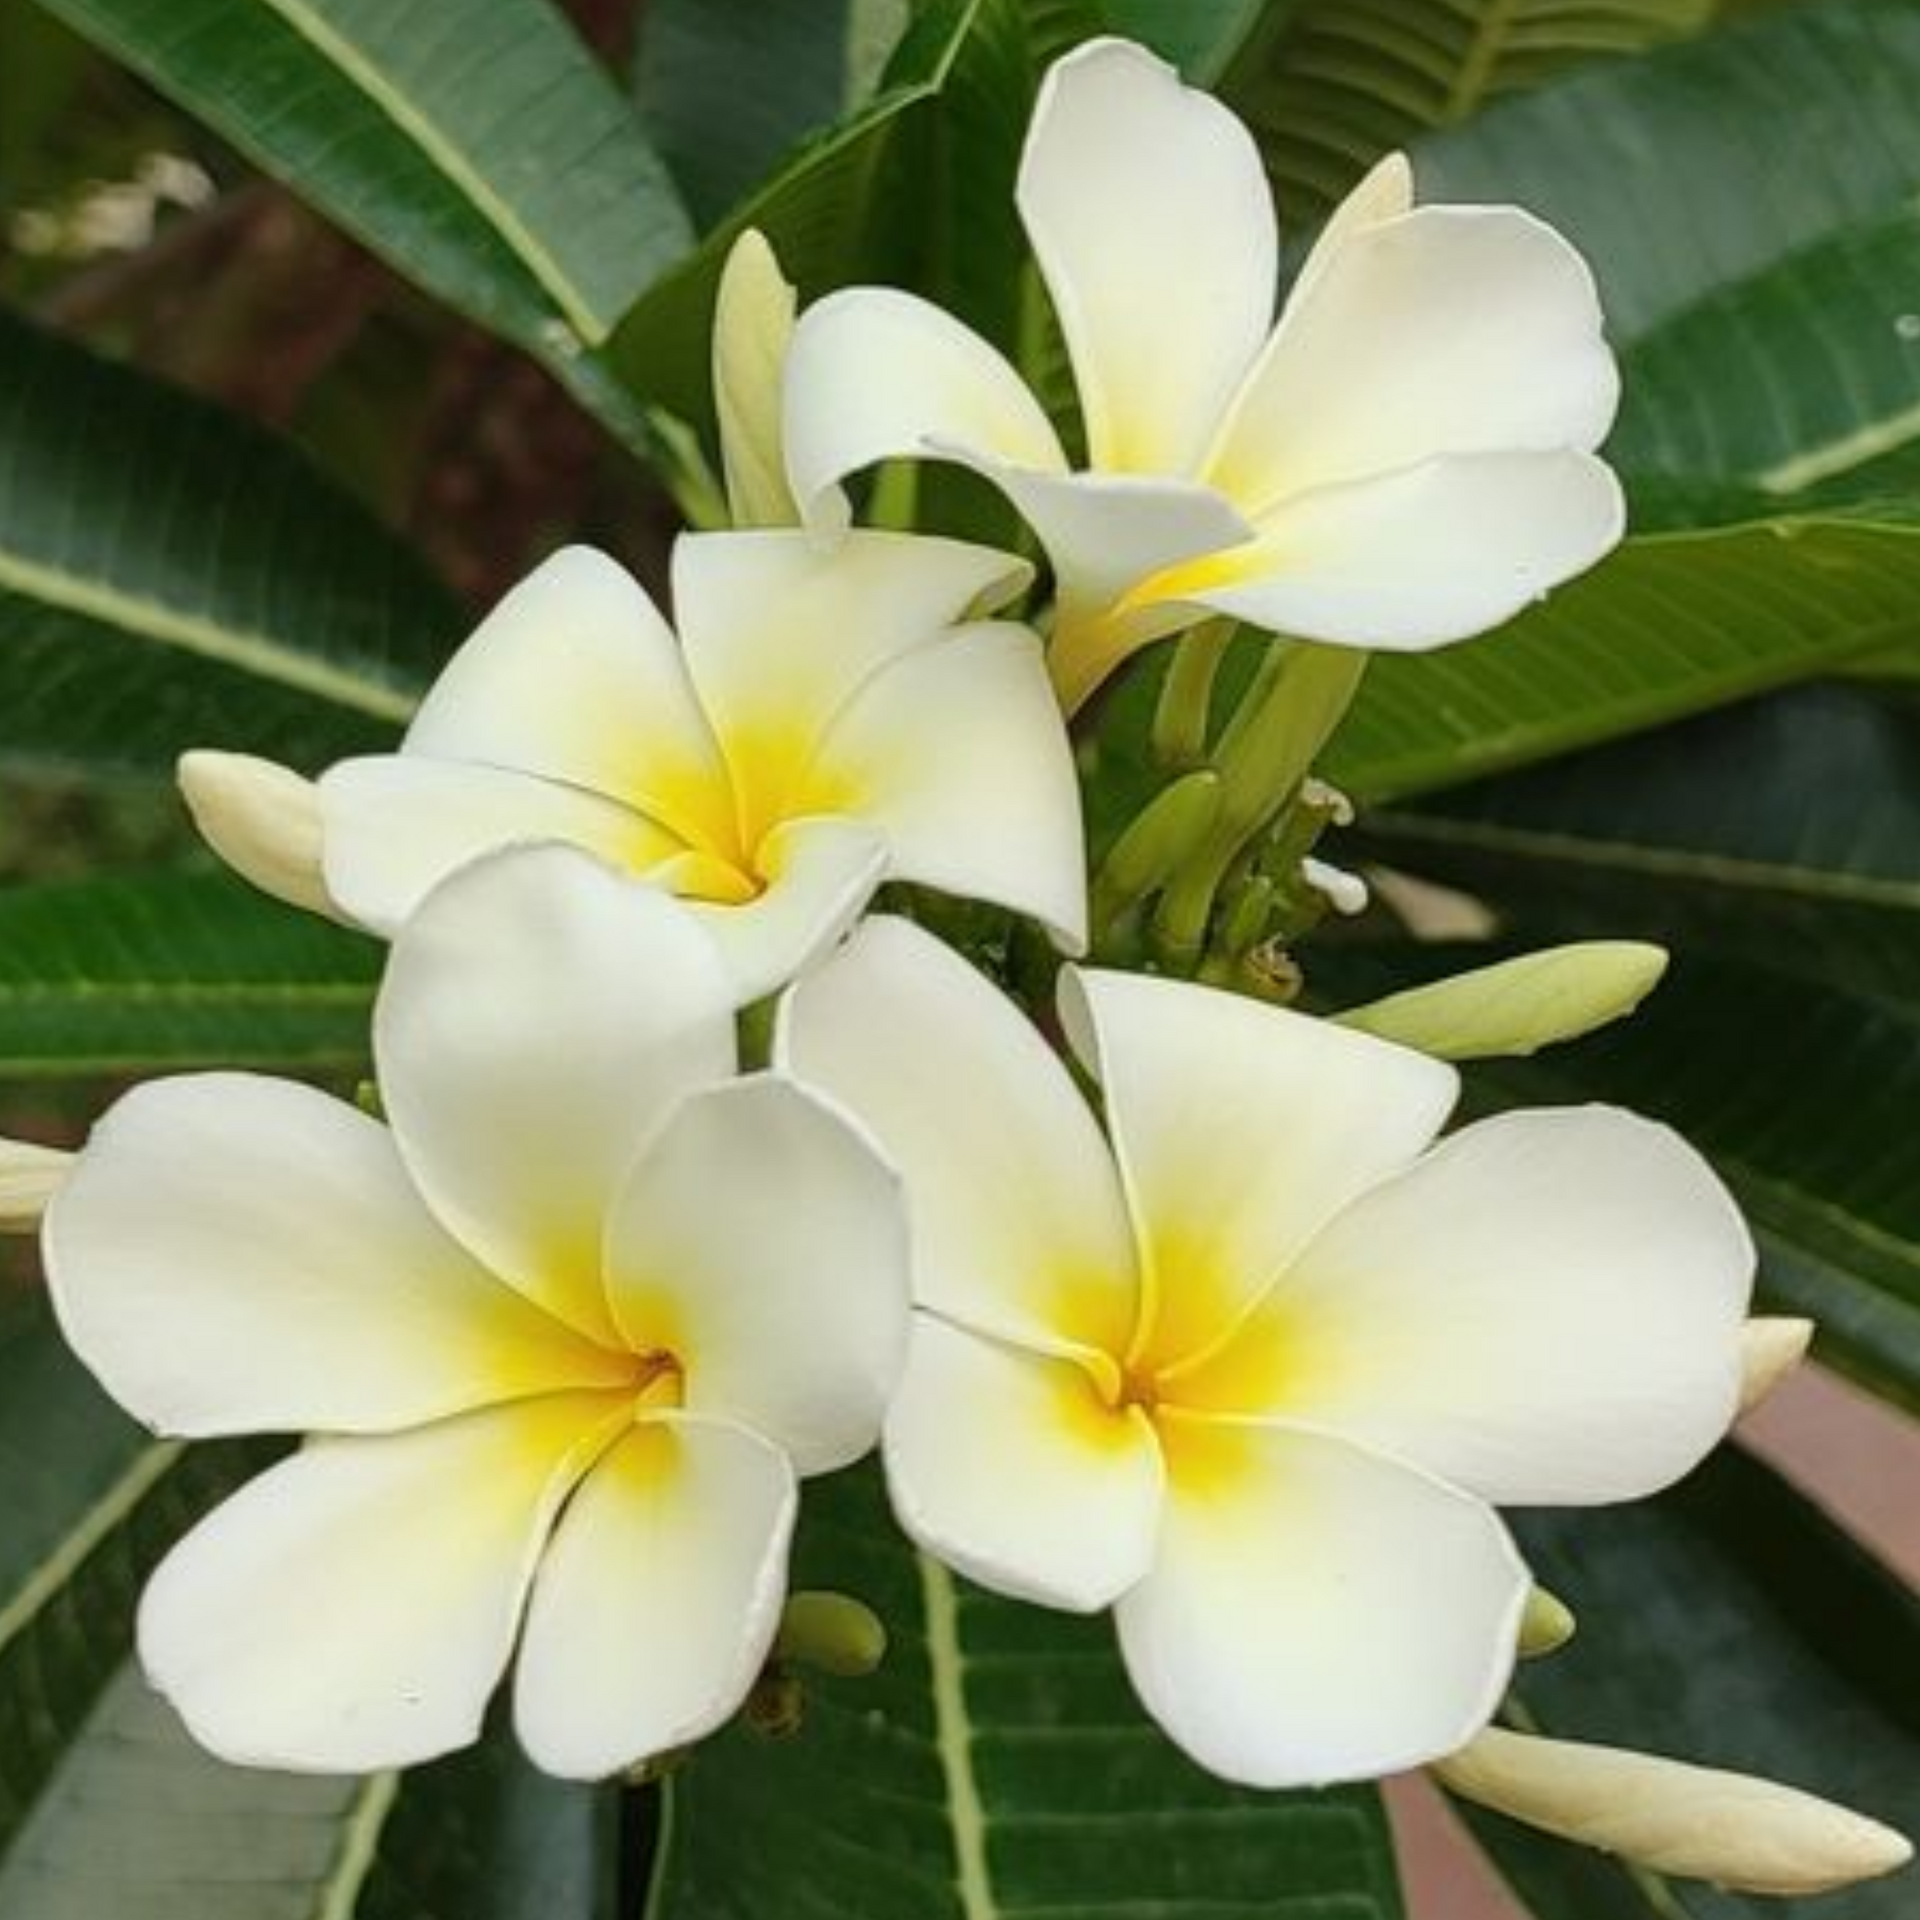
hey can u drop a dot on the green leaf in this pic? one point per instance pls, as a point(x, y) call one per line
point(107, 1807)
point(1328, 86)
point(1732, 1624)
point(1785, 829)
point(996, 1765)
point(915, 189)
point(1198, 36)
point(175, 971)
point(171, 577)
point(475, 145)
point(1765, 308)
point(728, 86)
point(1672, 624)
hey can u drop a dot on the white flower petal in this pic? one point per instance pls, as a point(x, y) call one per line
point(1008, 1465)
point(780, 631)
point(233, 1254)
point(1240, 1129)
point(873, 373)
point(1448, 330)
point(1149, 212)
point(658, 1600)
point(396, 826)
point(575, 676)
point(1433, 554)
point(1546, 1310)
point(958, 755)
point(540, 1015)
point(1106, 532)
point(1384, 192)
point(1316, 1613)
point(763, 1242)
point(353, 1608)
point(1019, 1228)
point(819, 874)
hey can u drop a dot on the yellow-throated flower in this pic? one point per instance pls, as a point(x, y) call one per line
point(1404, 459)
point(1255, 1374)
point(571, 1325)
point(826, 720)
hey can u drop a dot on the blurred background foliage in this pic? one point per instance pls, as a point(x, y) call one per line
point(321, 320)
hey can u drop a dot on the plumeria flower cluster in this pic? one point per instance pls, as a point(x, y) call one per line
point(1246, 1348)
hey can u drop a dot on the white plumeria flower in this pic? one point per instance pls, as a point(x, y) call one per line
point(827, 720)
point(1255, 1374)
point(1405, 459)
point(582, 1269)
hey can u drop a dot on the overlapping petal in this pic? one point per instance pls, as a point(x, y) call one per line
point(1019, 1227)
point(762, 1241)
point(817, 876)
point(1010, 1466)
point(658, 1599)
point(1315, 1612)
point(873, 374)
point(1415, 559)
point(1545, 1310)
point(540, 1015)
point(576, 676)
point(1445, 330)
point(1240, 1129)
point(1149, 213)
point(353, 1608)
point(234, 1254)
point(395, 825)
point(957, 755)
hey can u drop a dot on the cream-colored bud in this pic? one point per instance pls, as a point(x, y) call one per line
point(29, 1175)
point(1771, 1346)
point(832, 1633)
point(1517, 1006)
point(1747, 1834)
point(752, 327)
point(1547, 1624)
point(263, 820)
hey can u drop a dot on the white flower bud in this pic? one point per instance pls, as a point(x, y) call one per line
point(263, 820)
point(29, 1175)
point(1739, 1832)
point(1771, 1346)
point(752, 327)
point(1345, 892)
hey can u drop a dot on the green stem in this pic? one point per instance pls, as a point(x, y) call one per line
point(1184, 717)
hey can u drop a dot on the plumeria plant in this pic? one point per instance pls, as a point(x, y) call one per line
point(851, 1216)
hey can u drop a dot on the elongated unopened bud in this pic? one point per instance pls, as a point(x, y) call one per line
point(1771, 1346)
point(1751, 1835)
point(832, 1633)
point(29, 1175)
point(1547, 1624)
point(263, 820)
point(1517, 1006)
point(752, 329)
point(1156, 840)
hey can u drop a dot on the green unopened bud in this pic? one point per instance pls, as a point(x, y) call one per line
point(1546, 1626)
point(832, 1633)
point(752, 329)
point(1771, 1346)
point(1155, 841)
point(1739, 1832)
point(29, 1177)
point(1517, 1006)
point(263, 820)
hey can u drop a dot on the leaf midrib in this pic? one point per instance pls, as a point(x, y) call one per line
point(251, 652)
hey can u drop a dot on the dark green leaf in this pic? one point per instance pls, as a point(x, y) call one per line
point(727, 86)
point(1328, 86)
point(1732, 1624)
point(996, 1765)
point(175, 971)
point(171, 578)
